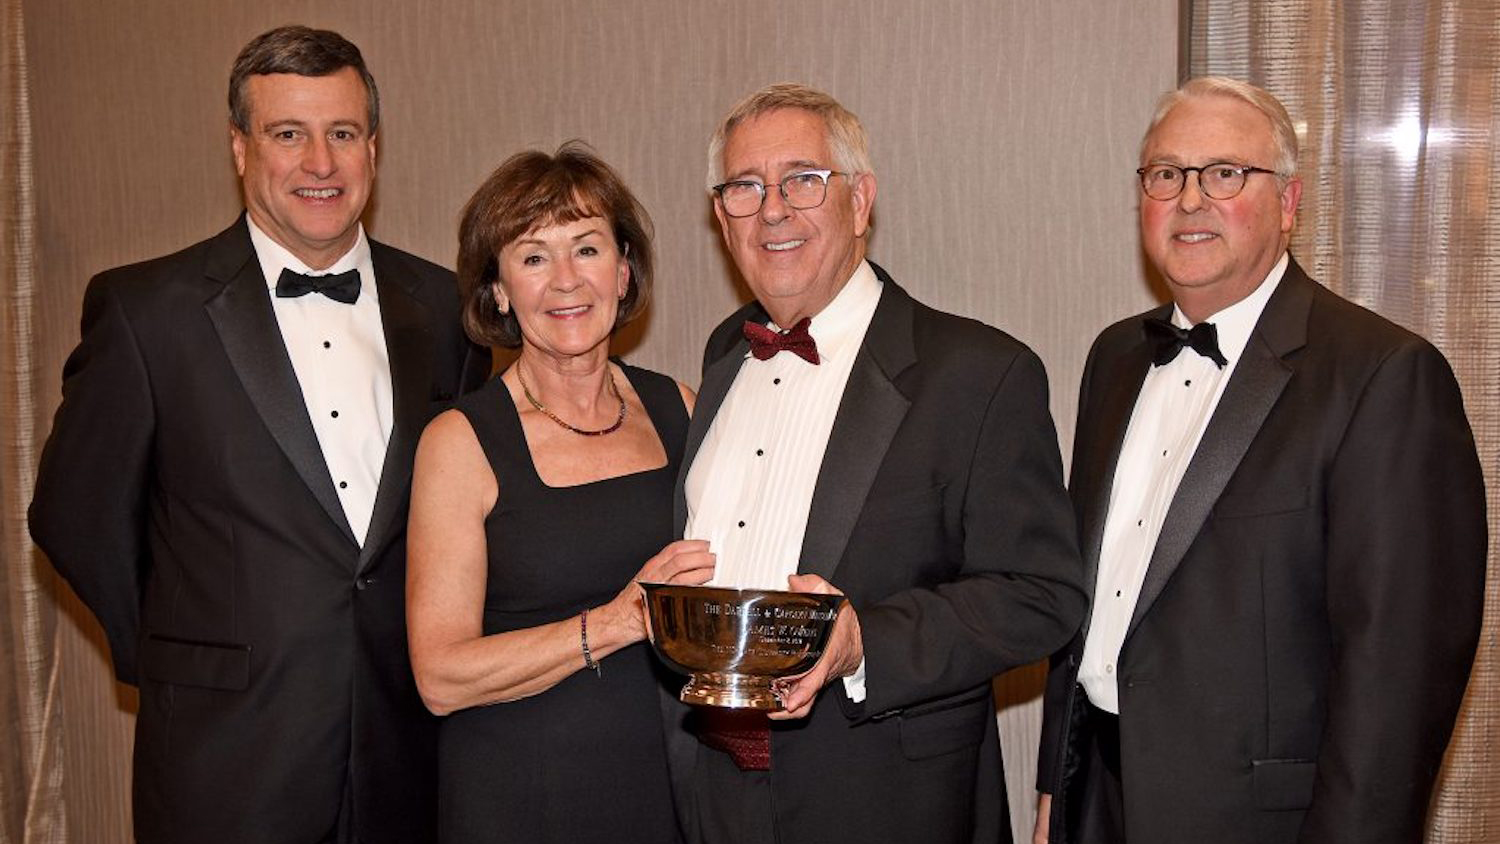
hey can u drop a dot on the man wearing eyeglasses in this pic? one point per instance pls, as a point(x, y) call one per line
point(1283, 524)
point(848, 439)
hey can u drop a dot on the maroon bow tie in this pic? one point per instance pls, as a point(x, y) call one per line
point(765, 343)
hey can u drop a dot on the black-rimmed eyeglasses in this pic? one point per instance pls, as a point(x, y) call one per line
point(1220, 180)
point(801, 190)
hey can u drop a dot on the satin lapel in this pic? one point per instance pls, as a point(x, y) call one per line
point(1121, 385)
point(717, 380)
point(242, 315)
point(408, 348)
point(868, 416)
point(1258, 381)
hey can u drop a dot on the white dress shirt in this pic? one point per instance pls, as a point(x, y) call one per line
point(338, 352)
point(751, 483)
point(1172, 411)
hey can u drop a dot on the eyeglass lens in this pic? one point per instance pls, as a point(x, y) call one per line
point(1217, 181)
point(799, 190)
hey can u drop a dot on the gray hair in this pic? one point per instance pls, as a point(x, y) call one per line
point(846, 137)
point(1283, 133)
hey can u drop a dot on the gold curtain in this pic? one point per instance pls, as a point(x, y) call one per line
point(1396, 103)
point(31, 809)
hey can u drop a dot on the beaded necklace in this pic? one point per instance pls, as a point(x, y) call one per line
point(613, 388)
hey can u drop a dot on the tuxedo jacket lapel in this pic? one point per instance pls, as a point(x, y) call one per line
point(408, 345)
point(869, 414)
point(867, 419)
point(242, 315)
point(1257, 383)
point(1120, 384)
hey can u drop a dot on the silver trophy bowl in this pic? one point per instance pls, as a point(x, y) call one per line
point(733, 642)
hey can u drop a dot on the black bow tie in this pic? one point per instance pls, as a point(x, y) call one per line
point(343, 287)
point(765, 343)
point(1167, 340)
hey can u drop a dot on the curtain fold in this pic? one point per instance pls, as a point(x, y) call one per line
point(1396, 105)
point(31, 767)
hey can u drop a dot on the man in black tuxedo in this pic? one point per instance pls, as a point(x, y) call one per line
point(1283, 524)
point(225, 484)
point(865, 444)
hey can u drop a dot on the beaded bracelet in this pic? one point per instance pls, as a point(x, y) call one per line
point(583, 638)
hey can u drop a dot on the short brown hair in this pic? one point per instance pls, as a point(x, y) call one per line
point(305, 52)
point(530, 190)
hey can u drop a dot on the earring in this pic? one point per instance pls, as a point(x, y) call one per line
point(501, 309)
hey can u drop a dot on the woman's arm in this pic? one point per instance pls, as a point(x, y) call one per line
point(456, 666)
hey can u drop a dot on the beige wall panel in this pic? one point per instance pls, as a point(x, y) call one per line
point(1004, 137)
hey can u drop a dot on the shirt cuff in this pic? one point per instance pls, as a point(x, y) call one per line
point(854, 684)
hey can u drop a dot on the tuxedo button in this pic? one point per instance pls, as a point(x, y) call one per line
point(362, 583)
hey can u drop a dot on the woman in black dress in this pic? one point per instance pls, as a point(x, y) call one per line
point(537, 502)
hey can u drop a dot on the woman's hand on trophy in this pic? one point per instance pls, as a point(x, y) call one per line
point(841, 657)
point(685, 561)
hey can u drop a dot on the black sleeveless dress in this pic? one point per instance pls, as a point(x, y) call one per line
point(584, 761)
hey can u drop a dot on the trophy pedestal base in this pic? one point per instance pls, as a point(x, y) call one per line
point(731, 691)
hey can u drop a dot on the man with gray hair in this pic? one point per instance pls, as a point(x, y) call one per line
point(225, 484)
point(1283, 526)
point(848, 439)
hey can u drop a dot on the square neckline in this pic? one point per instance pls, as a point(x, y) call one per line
point(536, 474)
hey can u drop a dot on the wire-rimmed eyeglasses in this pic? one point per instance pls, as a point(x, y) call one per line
point(802, 190)
point(1220, 180)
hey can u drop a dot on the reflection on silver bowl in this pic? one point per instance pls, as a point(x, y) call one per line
point(733, 642)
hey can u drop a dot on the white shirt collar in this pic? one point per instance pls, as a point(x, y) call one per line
point(1235, 322)
point(845, 318)
point(274, 257)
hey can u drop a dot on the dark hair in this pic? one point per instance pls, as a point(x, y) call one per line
point(530, 190)
point(303, 51)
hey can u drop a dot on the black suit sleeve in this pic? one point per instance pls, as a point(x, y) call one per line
point(89, 509)
point(477, 362)
point(1017, 596)
point(1062, 670)
point(1405, 566)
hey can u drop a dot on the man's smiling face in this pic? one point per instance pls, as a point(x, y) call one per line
point(1215, 252)
point(308, 162)
point(795, 261)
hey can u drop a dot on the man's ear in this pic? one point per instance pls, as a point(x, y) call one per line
point(723, 219)
point(237, 141)
point(863, 197)
point(1291, 196)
